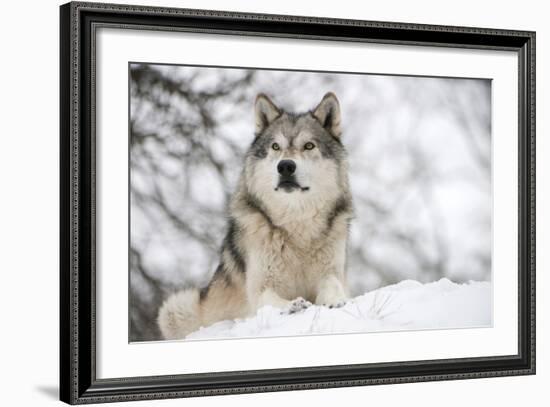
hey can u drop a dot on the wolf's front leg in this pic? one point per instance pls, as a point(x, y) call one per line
point(270, 297)
point(330, 292)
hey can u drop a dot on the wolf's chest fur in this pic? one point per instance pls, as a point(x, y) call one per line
point(292, 257)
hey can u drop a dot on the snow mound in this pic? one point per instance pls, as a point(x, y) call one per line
point(408, 305)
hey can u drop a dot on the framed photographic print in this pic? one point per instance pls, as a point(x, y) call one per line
point(257, 203)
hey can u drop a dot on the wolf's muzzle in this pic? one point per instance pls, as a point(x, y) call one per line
point(286, 168)
point(287, 181)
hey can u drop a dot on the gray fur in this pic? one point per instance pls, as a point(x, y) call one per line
point(291, 125)
point(284, 246)
point(230, 245)
point(256, 206)
point(341, 206)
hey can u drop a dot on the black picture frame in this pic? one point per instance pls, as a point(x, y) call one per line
point(78, 382)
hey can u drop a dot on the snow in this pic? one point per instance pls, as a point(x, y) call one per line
point(408, 305)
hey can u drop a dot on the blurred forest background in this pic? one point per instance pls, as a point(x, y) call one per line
point(420, 172)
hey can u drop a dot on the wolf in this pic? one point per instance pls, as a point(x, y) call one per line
point(288, 224)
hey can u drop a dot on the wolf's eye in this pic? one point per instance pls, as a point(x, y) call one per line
point(309, 146)
point(275, 146)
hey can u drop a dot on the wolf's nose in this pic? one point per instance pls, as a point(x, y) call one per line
point(286, 167)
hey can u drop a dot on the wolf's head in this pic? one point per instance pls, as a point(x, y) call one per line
point(297, 159)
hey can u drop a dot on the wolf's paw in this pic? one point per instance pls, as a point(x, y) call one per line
point(297, 305)
point(338, 304)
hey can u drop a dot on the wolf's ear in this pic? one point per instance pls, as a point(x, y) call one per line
point(266, 112)
point(328, 114)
